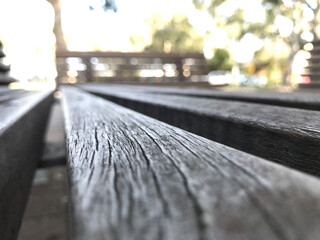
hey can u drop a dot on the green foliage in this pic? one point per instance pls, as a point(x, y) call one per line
point(110, 5)
point(274, 2)
point(176, 35)
point(272, 28)
point(203, 4)
point(220, 60)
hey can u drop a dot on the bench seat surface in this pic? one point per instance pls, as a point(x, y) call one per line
point(309, 101)
point(23, 117)
point(284, 135)
point(133, 177)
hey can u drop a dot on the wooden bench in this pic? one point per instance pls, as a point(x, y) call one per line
point(23, 117)
point(4, 69)
point(308, 101)
point(285, 135)
point(132, 67)
point(133, 177)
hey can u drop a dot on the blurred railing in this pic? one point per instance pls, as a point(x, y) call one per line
point(80, 67)
point(311, 75)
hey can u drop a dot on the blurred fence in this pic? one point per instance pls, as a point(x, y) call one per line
point(80, 67)
point(311, 75)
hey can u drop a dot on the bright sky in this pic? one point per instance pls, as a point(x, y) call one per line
point(86, 29)
point(111, 31)
point(26, 30)
point(253, 10)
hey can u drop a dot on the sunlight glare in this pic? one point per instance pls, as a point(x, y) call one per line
point(244, 50)
point(29, 41)
point(307, 12)
point(87, 30)
point(253, 10)
point(284, 25)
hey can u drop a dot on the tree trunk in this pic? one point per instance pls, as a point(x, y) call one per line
point(286, 79)
point(60, 41)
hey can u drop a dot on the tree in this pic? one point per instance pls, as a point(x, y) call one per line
point(304, 16)
point(220, 60)
point(291, 21)
point(60, 41)
point(176, 35)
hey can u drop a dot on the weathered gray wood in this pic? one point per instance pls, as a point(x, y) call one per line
point(5, 80)
point(22, 123)
point(310, 101)
point(285, 135)
point(133, 177)
point(7, 94)
point(1, 53)
point(4, 68)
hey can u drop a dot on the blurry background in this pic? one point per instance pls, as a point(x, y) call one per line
point(257, 44)
point(262, 43)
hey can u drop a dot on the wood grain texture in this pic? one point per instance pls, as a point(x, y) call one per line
point(7, 94)
point(284, 135)
point(22, 124)
point(5, 80)
point(310, 101)
point(133, 177)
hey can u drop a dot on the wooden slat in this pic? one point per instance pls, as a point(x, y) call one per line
point(310, 101)
point(22, 123)
point(7, 94)
point(133, 177)
point(163, 55)
point(4, 68)
point(285, 135)
point(4, 79)
point(315, 84)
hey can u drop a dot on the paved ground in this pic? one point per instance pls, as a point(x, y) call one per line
point(46, 216)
